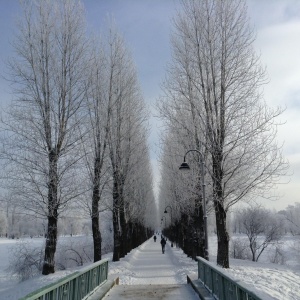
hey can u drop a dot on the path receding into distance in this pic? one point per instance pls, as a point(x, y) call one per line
point(145, 273)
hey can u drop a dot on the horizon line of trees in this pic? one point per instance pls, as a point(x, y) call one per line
point(75, 134)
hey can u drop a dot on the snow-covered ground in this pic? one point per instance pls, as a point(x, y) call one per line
point(280, 282)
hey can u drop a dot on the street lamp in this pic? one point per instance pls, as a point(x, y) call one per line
point(185, 167)
point(170, 211)
point(170, 219)
point(162, 220)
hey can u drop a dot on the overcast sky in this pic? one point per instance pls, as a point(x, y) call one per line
point(146, 26)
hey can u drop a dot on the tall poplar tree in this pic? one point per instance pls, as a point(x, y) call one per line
point(42, 124)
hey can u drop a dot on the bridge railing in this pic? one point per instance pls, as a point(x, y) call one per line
point(222, 286)
point(75, 286)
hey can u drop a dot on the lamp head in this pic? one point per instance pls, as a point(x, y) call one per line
point(165, 211)
point(184, 166)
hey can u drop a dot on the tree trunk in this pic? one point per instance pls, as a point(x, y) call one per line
point(220, 213)
point(223, 237)
point(95, 211)
point(134, 236)
point(252, 248)
point(117, 236)
point(51, 240)
point(199, 226)
point(123, 225)
point(95, 227)
point(97, 239)
point(50, 248)
point(129, 237)
point(116, 223)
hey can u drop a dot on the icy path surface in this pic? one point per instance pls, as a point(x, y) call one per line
point(147, 273)
point(147, 265)
point(152, 292)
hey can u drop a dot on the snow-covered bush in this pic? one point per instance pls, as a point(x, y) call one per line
point(107, 247)
point(73, 252)
point(277, 256)
point(239, 249)
point(25, 260)
point(294, 248)
point(262, 228)
point(78, 250)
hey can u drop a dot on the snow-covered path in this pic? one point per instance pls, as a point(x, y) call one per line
point(146, 273)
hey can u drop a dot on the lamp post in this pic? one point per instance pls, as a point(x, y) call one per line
point(170, 219)
point(185, 167)
point(162, 220)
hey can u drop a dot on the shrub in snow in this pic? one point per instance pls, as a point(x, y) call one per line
point(74, 252)
point(294, 248)
point(277, 256)
point(25, 260)
point(77, 250)
point(107, 248)
point(239, 249)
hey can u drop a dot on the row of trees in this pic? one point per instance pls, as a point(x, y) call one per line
point(292, 216)
point(288, 218)
point(75, 135)
point(212, 103)
point(253, 229)
point(15, 224)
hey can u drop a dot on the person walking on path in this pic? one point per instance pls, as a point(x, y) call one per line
point(154, 238)
point(163, 244)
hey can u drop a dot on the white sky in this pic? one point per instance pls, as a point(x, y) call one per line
point(146, 26)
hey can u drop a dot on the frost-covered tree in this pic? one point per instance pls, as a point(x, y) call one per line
point(42, 124)
point(95, 140)
point(262, 229)
point(292, 217)
point(126, 134)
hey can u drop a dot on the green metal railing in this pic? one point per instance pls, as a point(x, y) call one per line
point(75, 286)
point(222, 286)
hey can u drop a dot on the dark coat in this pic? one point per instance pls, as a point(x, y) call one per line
point(163, 241)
